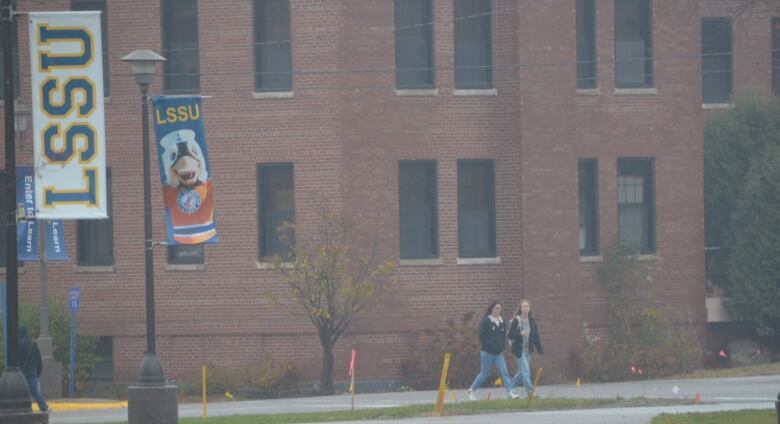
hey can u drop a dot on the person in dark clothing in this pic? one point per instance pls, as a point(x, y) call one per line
point(492, 338)
point(524, 338)
point(32, 366)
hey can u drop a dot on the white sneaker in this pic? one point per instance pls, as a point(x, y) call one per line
point(471, 395)
point(513, 395)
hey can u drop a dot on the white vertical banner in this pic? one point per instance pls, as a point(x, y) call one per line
point(68, 115)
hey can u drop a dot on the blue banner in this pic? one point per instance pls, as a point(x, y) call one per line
point(56, 249)
point(184, 170)
point(26, 227)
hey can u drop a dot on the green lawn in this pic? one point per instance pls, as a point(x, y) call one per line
point(760, 416)
point(460, 408)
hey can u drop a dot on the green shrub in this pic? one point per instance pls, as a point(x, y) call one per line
point(422, 370)
point(643, 342)
point(270, 378)
point(59, 330)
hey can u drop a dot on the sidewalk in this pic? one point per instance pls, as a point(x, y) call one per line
point(716, 394)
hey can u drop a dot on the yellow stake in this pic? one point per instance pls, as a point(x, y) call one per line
point(536, 381)
point(203, 373)
point(442, 384)
point(578, 382)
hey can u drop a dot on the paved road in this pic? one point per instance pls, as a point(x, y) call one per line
point(718, 394)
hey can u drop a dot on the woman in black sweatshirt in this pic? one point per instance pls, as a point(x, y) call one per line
point(492, 338)
point(524, 338)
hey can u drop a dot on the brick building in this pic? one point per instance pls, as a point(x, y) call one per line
point(499, 145)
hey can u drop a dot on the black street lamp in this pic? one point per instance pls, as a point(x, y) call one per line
point(151, 401)
point(15, 405)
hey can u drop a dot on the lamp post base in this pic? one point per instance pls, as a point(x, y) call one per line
point(15, 401)
point(153, 404)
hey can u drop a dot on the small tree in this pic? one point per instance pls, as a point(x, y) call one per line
point(333, 276)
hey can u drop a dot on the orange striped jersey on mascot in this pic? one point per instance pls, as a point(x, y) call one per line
point(187, 192)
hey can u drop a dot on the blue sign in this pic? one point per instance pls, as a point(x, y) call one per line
point(56, 250)
point(27, 228)
point(74, 299)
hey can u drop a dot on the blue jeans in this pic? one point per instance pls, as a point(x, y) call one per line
point(35, 390)
point(487, 361)
point(523, 373)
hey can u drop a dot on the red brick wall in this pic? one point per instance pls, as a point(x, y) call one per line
point(345, 130)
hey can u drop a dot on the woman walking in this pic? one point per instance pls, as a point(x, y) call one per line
point(524, 338)
point(492, 338)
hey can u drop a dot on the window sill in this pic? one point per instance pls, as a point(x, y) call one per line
point(266, 266)
point(650, 257)
point(709, 106)
point(417, 92)
point(268, 95)
point(420, 262)
point(475, 92)
point(479, 261)
point(95, 268)
point(588, 92)
point(636, 91)
point(19, 270)
point(591, 259)
point(185, 267)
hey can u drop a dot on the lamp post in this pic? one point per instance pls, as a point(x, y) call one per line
point(151, 401)
point(15, 406)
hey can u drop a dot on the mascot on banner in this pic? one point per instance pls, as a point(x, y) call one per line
point(187, 189)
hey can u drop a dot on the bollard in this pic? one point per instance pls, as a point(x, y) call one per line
point(777, 408)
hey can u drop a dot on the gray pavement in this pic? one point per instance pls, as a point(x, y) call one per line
point(716, 394)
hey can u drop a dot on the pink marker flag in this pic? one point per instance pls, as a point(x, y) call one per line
point(352, 363)
point(722, 354)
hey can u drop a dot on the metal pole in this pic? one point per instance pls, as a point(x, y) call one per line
point(44, 340)
point(149, 258)
point(72, 353)
point(11, 272)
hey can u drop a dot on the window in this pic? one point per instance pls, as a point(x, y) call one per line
point(589, 207)
point(633, 44)
point(417, 209)
point(716, 60)
point(586, 43)
point(180, 46)
point(96, 236)
point(103, 370)
point(273, 55)
point(776, 55)
point(473, 55)
point(277, 209)
point(636, 205)
point(100, 5)
point(413, 44)
point(15, 52)
point(186, 254)
point(476, 209)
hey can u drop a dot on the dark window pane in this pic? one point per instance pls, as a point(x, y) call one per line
point(417, 209)
point(100, 5)
point(413, 44)
point(716, 60)
point(633, 44)
point(15, 50)
point(180, 46)
point(636, 205)
point(96, 236)
point(588, 190)
point(103, 371)
point(182, 254)
point(586, 43)
point(277, 209)
point(476, 209)
point(776, 55)
point(273, 55)
point(473, 54)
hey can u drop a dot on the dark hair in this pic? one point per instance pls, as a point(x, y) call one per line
point(490, 308)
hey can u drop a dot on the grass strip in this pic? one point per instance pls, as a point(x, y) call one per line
point(424, 410)
point(752, 416)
